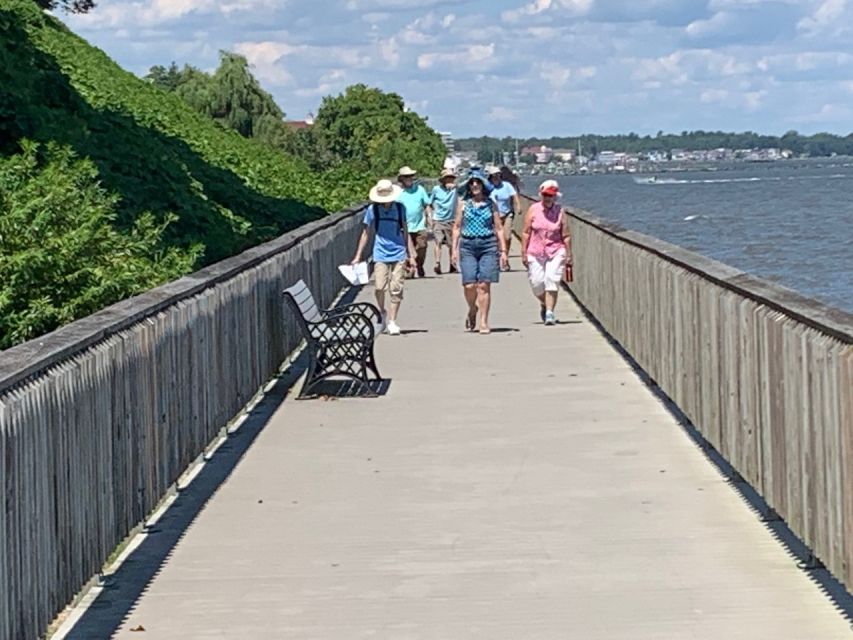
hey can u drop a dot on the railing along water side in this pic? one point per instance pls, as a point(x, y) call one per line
point(765, 374)
point(100, 418)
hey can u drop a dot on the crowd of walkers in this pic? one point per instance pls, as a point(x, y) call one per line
point(473, 218)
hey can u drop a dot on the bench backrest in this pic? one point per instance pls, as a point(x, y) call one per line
point(302, 299)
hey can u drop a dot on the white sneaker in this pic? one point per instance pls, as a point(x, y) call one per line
point(393, 328)
point(550, 318)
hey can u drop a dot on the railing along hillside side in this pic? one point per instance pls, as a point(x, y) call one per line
point(100, 418)
point(765, 374)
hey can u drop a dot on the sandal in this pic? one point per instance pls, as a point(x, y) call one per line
point(484, 331)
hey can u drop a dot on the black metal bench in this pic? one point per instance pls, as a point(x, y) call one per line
point(339, 340)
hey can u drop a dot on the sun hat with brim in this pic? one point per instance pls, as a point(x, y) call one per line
point(384, 192)
point(492, 170)
point(406, 172)
point(447, 173)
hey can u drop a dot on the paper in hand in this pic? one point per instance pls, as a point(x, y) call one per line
point(356, 273)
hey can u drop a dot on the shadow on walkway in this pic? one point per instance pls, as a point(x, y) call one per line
point(123, 589)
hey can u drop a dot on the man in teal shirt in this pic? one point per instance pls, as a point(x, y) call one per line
point(418, 211)
point(443, 203)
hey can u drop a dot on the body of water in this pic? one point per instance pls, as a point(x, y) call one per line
point(788, 222)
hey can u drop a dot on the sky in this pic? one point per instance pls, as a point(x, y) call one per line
point(521, 68)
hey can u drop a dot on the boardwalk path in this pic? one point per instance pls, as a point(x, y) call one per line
point(520, 485)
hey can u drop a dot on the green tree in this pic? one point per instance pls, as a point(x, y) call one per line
point(373, 132)
point(232, 96)
point(72, 6)
point(60, 254)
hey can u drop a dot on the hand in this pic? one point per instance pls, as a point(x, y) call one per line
point(524, 260)
point(454, 259)
point(411, 263)
point(356, 260)
point(569, 261)
point(504, 260)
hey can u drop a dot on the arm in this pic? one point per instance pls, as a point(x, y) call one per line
point(457, 232)
point(525, 234)
point(516, 204)
point(567, 238)
point(498, 225)
point(362, 242)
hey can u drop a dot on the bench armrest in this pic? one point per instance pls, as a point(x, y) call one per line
point(365, 308)
point(343, 327)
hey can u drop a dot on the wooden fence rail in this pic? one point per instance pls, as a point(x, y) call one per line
point(764, 374)
point(100, 418)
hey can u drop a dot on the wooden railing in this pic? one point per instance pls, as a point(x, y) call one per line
point(765, 374)
point(100, 418)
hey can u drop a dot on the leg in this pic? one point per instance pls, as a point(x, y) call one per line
point(471, 298)
point(484, 300)
point(553, 277)
point(536, 276)
point(507, 231)
point(381, 277)
point(420, 242)
point(397, 280)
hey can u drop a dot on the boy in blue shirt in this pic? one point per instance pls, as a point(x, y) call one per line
point(443, 203)
point(392, 248)
point(505, 198)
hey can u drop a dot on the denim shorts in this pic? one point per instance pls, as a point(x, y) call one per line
point(478, 259)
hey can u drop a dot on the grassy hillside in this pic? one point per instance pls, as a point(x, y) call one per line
point(149, 147)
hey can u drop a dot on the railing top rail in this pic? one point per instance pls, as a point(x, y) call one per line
point(24, 360)
point(813, 313)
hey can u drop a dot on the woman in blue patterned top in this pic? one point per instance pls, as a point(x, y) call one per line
point(476, 238)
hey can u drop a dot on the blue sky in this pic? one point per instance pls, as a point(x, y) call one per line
point(520, 67)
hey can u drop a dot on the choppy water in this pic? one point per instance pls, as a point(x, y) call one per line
point(789, 222)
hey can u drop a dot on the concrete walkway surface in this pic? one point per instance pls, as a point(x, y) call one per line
point(520, 485)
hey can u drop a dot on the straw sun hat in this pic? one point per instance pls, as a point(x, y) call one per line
point(384, 191)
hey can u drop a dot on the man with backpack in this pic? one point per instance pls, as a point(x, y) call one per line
point(392, 248)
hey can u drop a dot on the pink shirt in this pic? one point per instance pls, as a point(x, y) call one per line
point(546, 231)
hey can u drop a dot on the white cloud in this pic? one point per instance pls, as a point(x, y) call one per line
point(826, 16)
point(470, 57)
point(536, 7)
point(501, 114)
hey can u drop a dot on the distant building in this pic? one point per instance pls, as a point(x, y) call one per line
point(300, 124)
point(544, 155)
point(449, 142)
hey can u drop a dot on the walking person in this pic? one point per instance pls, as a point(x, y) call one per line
point(479, 249)
point(504, 195)
point(443, 204)
point(546, 248)
point(416, 201)
point(392, 248)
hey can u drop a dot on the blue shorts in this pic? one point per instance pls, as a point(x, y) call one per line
point(478, 259)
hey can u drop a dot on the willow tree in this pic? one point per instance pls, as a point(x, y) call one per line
point(72, 6)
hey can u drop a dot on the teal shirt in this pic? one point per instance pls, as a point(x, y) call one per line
point(415, 200)
point(443, 203)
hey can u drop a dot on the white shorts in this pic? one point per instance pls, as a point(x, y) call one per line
point(546, 275)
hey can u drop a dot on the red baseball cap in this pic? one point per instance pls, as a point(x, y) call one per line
point(550, 191)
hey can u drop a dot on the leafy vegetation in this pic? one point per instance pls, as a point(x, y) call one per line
point(60, 255)
point(72, 6)
point(820, 144)
point(372, 131)
point(231, 96)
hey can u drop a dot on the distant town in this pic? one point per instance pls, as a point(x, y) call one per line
point(545, 160)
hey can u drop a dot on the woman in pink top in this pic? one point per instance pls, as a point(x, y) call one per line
point(545, 248)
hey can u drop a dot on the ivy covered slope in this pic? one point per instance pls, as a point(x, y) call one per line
point(150, 147)
point(110, 186)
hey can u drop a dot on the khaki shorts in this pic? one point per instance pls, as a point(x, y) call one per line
point(507, 225)
point(391, 276)
point(442, 233)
